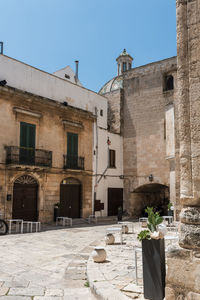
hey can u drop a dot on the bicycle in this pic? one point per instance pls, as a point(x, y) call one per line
point(3, 227)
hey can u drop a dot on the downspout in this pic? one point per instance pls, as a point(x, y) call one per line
point(96, 153)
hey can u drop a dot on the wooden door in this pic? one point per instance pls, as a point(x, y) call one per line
point(25, 202)
point(27, 143)
point(115, 200)
point(70, 203)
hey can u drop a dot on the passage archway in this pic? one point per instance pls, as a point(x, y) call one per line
point(25, 192)
point(153, 195)
point(70, 198)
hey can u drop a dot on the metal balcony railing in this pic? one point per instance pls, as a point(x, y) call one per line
point(73, 162)
point(28, 156)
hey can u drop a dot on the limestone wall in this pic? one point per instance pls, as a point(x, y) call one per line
point(184, 262)
point(144, 124)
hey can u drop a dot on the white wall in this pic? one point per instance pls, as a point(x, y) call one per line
point(32, 80)
point(111, 178)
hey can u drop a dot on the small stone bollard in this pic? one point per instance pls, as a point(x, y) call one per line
point(124, 228)
point(99, 254)
point(109, 239)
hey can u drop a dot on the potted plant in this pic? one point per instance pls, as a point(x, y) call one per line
point(170, 209)
point(56, 211)
point(153, 256)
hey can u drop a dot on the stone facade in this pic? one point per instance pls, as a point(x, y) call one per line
point(53, 121)
point(142, 110)
point(183, 281)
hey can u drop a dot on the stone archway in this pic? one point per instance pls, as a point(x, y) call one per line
point(25, 204)
point(70, 198)
point(154, 195)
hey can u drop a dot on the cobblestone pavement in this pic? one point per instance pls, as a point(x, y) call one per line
point(51, 265)
point(47, 265)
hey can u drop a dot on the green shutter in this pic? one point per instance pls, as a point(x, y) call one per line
point(72, 144)
point(27, 135)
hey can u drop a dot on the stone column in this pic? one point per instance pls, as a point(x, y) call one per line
point(183, 277)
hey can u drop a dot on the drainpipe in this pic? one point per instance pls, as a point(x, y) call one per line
point(96, 152)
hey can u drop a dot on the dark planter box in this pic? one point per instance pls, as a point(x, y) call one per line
point(153, 258)
point(56, 213)
point(119, 217)
point(170, 213)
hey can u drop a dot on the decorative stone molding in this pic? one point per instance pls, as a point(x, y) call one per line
point(27, 112)
point(67, 123)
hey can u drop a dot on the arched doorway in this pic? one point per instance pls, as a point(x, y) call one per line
point(70, 198)
point(25, 191)
point(153, 195)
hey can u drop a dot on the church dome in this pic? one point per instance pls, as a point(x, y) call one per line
point(114, 84)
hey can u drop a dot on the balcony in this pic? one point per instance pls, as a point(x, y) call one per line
point(73, 162)
point(28, 156)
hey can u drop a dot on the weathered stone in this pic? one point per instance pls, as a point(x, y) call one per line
point(190, 215)
point(193, 296)
point(189, 236)
point(169, 293)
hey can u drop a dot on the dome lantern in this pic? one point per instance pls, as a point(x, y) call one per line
point(124, 62)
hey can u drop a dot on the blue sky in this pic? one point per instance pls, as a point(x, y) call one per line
point(50, 34)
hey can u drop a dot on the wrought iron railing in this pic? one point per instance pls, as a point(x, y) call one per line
point(28, 156)
point(73, 162)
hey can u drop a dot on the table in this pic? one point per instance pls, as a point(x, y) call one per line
point(115, 230)
point(127, 223)
point(64, 220)
point(30, 225)
point(19, 223)
point(168, 218)
point(136, 269)
point(143, 220)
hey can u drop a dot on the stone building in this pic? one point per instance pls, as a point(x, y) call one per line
point(57, 111)
point(183, 277)
point(141, 110)
point(38, 165)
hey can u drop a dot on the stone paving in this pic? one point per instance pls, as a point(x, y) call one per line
point(115, 279)
point(47, 265)
point(51, 265)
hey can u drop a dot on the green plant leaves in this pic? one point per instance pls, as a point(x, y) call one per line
point(144, 234)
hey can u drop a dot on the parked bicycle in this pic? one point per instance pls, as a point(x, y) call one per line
point(3, 227)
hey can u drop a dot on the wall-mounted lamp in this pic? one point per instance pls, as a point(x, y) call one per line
point(121, 176)
point(108, 141)
point(150, 177)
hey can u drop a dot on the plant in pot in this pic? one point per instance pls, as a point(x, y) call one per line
point(153, 256)
point(170, 209)
point(56, 211)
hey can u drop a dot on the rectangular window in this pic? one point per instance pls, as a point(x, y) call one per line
point(112, 158)
point(27, 143)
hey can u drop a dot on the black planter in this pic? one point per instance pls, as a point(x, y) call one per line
point(153, 258)
point(170, 213)
point(119, 216)
point(56, 213)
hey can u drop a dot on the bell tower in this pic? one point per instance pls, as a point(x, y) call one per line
point(124, 62)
